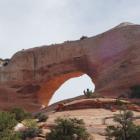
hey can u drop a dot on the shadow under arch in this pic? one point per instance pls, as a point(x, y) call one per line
point(49, 88)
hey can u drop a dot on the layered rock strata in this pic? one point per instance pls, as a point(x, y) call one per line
point(111, 60)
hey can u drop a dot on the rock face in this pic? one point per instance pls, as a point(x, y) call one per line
point(111, 59)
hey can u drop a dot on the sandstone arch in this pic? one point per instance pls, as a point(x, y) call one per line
point(112, 59)
point(51, 86)
point(72, 88)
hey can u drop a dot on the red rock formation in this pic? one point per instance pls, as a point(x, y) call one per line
point(111, 59)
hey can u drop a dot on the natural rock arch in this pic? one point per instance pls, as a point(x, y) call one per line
point(51, 86)
point(73, 88)
point(112, 59)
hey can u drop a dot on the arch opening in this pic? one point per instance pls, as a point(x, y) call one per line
point(72, 87)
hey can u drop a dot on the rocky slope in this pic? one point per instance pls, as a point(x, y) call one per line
point(111, 59)
point(97, 114)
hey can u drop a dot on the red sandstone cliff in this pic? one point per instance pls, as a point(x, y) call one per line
point(111, 59)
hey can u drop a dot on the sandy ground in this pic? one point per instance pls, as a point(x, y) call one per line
point(93, 119)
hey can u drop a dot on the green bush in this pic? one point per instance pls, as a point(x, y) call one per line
point(7, 123)
point(135, 91)
point(30, 133)
point(83, 37)
point(10, 135)
point(41, 117)
point(32, 129)
point(88, 93)
point(119, 102)
point(30, 123)
point(125, 128)
point(68, 129)
point(20, 114)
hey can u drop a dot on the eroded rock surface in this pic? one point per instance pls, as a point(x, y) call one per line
point(111, 59)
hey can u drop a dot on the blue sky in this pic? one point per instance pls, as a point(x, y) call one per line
point(29, 23)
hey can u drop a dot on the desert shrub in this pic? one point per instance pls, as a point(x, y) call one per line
point(10, 135)
point(119, 102)
point(83, 37)
point(6, 62)
point(125, 128)
point(68, 129)
point(7, 123)
point(20, 114)
point(41, 117)
point(88, 93)
point(30, 133)
point(30, 123)
point(135, 91)
point(32, 129)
